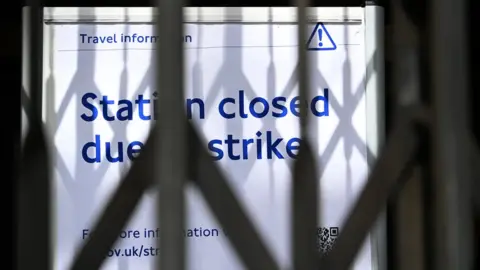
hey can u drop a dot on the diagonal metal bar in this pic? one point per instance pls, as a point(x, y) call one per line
point(228, 211)
point(209, 179)
point(305, 186)
point(118, 210)
point(171, 171)
point(472, 144)
point(34, 245)
point(394, 162)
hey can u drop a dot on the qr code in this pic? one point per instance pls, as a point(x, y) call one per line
point(326, 237)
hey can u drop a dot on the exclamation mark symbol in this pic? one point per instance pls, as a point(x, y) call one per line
point(320, 43)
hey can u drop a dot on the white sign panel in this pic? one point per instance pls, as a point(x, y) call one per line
point(241, 93)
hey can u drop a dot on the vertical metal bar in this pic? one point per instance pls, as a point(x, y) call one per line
point(35, 55)
point(408, 229)
point(118, 210)
point(453, 209)
point(407, 210)
point(171, 134)
point(227, 209)
point(302, 72)
point(386, 177)
point(305, 179)
point(34, 185)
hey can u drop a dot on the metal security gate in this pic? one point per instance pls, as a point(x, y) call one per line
point(446, 172)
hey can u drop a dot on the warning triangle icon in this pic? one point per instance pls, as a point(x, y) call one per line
point(320, 39)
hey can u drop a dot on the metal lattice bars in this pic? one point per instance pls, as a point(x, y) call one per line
point(385, 179)
point(451, 184)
